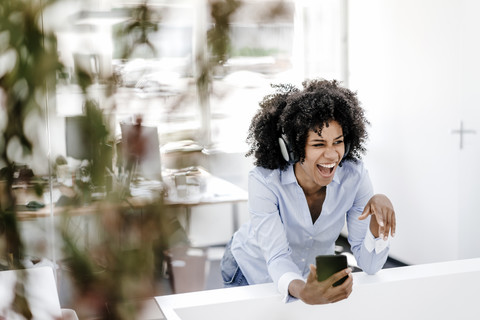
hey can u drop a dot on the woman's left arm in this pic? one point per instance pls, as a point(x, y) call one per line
point(383, 220)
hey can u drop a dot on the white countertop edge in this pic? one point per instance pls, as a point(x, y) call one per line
point(419, 271)
point(169, 303)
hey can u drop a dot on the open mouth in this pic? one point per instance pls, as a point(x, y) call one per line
point(326, 168)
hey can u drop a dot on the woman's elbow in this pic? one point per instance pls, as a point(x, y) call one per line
point(370, 270)
point(370, 267)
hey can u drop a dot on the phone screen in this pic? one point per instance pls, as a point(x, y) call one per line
point(330, 264)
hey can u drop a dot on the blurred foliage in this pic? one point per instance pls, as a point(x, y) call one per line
point(28, 65)
point(121, 266)
point(219, 35)
point(134, 34)
point(113, 272)
point(28, 62)
point(254, 52)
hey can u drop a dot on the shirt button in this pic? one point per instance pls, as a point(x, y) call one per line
point(303, 260)
point(310, 238)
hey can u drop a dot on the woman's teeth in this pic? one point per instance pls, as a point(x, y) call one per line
point(329, 166)
point(326, 168)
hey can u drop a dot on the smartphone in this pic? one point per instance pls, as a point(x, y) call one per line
point(330, 264)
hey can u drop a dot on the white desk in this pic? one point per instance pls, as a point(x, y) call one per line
point(41, 292)
point(211, 190)
point(448, 290)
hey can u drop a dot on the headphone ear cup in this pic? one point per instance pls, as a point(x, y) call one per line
point(286, 150)
point(347, 149)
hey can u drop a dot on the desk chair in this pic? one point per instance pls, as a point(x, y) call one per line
point(186, 268)
point(41, 294)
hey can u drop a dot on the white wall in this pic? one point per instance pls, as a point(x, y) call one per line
point(413, 66)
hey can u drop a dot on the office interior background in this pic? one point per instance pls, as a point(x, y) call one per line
point(413, 64)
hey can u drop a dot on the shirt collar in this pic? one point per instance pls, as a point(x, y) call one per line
point(288, 176)
point(338, 173)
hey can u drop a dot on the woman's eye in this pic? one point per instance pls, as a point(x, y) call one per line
point(339, 142)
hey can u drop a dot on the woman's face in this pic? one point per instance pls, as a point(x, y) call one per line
point(322, 155)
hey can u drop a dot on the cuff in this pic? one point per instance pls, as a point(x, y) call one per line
point(283, 284)
point(377, 244)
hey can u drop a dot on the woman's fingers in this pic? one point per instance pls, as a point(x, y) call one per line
point(381, 208)
point(342, 291)
point(319, 292)
point(339, 275)
point(389, 219)
point(312, 276)
point(383, 225)
point(366, 212)
point(394, 224)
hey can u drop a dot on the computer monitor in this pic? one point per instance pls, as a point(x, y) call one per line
point(141, 150)
point(77, 139)
point(81, 145)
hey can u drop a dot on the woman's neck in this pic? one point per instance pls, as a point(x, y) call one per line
point(309, 187)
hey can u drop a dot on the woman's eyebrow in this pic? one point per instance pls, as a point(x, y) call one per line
point(322, 139)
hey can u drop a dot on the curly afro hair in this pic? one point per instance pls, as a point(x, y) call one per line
point(295, 112)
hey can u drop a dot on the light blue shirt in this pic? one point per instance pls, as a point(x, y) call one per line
point(279, 242)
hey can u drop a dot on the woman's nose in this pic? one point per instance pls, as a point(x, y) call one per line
point(331, 153)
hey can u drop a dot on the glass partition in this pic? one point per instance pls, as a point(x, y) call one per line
point(114, 94)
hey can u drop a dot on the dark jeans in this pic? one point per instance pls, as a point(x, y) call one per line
point(231, 273)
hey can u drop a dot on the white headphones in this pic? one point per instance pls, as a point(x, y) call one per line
point(286, 149)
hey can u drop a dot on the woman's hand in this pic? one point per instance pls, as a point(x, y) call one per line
point(322, 292)
point(383, 221)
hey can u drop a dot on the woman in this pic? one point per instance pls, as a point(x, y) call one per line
point(307, 181)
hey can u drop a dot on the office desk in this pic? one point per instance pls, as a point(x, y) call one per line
point(447, 290)
point(212, 190)
point(25, 194)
